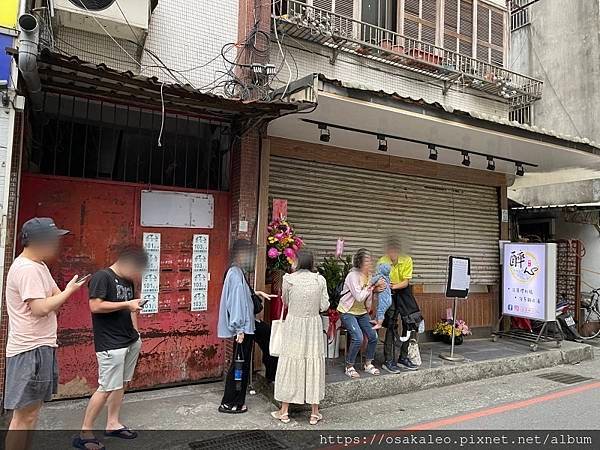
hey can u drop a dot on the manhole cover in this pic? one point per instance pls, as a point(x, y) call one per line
point(248, 440)
point(564, 378)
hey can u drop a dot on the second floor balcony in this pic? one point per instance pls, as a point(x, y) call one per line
point(345, 34)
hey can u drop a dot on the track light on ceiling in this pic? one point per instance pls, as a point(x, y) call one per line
point(433, 148)
point(520, 170)
point(466, 159)
point(325, 136)
point(382, 143)
point(433, 153)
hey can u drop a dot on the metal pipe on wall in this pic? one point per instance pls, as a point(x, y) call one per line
point(28, 51)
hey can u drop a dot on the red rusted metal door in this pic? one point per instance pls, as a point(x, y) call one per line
point(178, 345)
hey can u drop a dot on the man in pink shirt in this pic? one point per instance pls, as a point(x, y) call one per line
point(32, 299)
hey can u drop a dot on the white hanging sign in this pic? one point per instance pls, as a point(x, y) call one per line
point(200, 274)
point(151, 276)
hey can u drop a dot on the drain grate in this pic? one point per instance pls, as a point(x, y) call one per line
point(248, 440)
point(564, 378)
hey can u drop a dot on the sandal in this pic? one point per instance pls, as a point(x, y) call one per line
point(351, 372)
point(372, 369)
point(123, 433)
point(233, 409)
point(315, 418)
point(81, 443)
point(284, 418)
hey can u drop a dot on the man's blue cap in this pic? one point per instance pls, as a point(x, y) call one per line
point(40, 229)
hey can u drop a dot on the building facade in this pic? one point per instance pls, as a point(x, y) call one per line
point(542, 42)
point(128, 136)
point(367, 117)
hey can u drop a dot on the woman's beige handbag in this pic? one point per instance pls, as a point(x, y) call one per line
point(276, 341)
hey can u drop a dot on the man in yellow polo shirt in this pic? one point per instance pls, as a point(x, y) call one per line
point(400, 276)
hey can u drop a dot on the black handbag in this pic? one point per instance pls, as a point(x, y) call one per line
point(257, 302)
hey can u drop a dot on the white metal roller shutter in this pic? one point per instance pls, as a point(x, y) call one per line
point(362, 206)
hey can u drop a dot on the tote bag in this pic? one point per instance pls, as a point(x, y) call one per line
point(276, 341)
point(414, 355)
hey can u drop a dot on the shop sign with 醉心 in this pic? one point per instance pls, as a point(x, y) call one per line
point(529, 281)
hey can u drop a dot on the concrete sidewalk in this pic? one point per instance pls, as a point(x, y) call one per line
point(181, 410)
point(483, 359)
point(195, 407)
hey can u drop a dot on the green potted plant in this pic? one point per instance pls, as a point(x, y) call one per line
point(334, 269)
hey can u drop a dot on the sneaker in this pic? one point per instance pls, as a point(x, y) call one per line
point(391, 367)
point(407, 364)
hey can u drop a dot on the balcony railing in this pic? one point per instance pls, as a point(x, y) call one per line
point(340, 33)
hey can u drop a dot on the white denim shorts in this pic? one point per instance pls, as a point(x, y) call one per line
point(116, 367)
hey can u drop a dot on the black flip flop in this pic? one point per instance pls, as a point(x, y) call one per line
point(226, 409)
point(80, 443)
point(122, 433)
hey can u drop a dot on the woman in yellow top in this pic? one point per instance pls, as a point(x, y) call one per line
point(400, 276)
point(357, 296)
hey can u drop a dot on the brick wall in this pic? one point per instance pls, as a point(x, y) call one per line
point(245, 158)
point(244, 184)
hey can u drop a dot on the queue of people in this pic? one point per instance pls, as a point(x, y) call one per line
point(33, 299)
point(300, 368)
point(298, 373)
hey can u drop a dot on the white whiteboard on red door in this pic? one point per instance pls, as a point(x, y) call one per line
point(177, 209)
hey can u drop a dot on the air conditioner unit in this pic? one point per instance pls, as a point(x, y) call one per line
point(120, 18)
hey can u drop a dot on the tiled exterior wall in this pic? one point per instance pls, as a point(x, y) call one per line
point(306, 58)
point(186, 36)
point(97, 48)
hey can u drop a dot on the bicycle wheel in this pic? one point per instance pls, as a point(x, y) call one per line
point(591, 315)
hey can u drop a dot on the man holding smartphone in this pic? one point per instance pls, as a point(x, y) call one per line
point(117, 341)
point(32, 300)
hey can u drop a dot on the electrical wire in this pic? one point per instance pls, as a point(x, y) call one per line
point(137, 39)
point(233, 80)
point(281, 51)
point(110, 36)
point(162, 120)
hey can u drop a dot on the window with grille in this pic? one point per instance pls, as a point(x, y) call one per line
point(420, 20)
point(381, 13)
point(77, 137)
point(521, 115)
point(458, 26)
point(519, 14)
point(490, 34)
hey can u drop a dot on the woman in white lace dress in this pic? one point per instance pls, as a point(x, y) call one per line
point(301, 368)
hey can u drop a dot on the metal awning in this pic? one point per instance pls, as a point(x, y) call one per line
point(392, 115)
point(71, 76)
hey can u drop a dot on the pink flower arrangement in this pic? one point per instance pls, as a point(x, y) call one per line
point(282, 245)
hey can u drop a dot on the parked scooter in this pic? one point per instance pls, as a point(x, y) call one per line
point(566, 321)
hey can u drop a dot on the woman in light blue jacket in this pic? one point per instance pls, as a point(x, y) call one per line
point(237, 320)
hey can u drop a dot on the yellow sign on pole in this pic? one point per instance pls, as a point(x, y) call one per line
point(8, 13)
